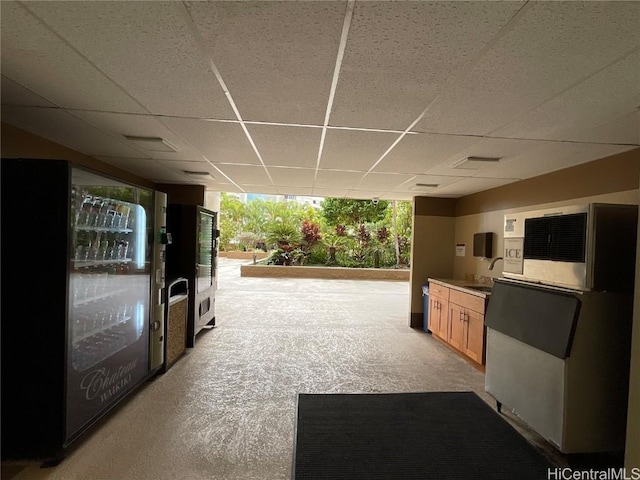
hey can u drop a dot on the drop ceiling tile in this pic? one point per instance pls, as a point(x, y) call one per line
point(399, 55)
point(151, 54)
point(287, 146)
point(365, 194)
point(277, 58)
point(65, 129)
point(146, 168)
point(226, 188)
point(608, 95)
point(382, 181)
point(623, 130)
point(246, 174)
point(354, 150)
point(296, 177)
point(416, 154)
point(553, 46)
point(219, 142)
point(260, 189)
point(39, 60)
point(557, 156)
point(397, 196)
point(298, 191)
point(467, 186)
point(15, 94)
point(140, 126)
point(337, 179)
point(439, 180)
point(330, 192)
point(202, 166)
point(505, 149)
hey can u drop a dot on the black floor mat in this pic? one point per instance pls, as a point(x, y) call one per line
point(436, 435)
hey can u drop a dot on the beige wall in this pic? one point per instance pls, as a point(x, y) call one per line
point(432, 248)
point(467, 225)
point(632, 454)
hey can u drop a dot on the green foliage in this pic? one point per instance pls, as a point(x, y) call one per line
point(231, 219)
point(344, 232)
point(286, 255)
point(352, 212)
point(282, 234)
point(318, 255)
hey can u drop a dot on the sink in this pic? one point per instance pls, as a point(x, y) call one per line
point(480, 288)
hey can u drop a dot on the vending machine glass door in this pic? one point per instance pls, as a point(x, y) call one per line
point(109, 293)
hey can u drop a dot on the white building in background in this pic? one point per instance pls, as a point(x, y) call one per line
point(312, 201)
point(247, 197)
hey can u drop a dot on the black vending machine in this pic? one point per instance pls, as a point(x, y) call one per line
point(80, 285)
point(193, 255)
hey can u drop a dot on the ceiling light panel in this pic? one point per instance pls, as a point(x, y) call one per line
point(286, 146)
point(249, 49)
point(401, 54)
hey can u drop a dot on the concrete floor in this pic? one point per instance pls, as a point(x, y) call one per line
point(226, 410)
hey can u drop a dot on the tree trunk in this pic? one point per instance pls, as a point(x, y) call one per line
point(376, 259)
point(332, 255)
point(395, 233)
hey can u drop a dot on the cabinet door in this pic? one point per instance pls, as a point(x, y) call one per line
point(456, 326)
point(473, 343)
point(438, 316)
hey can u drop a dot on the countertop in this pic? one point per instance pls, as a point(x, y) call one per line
point(464, 286)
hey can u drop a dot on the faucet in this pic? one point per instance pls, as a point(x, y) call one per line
point(494, 262)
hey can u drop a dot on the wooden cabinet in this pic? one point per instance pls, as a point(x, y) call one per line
point(438, 311)
point(458, 318)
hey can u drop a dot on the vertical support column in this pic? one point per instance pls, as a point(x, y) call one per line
point(432, 248)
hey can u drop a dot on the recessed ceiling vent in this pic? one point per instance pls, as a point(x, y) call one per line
point(200, 175)
point(424, 186)
point(152, 144)
point(475, 163)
